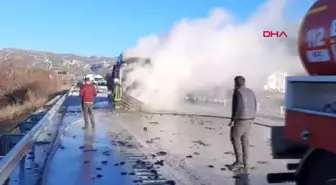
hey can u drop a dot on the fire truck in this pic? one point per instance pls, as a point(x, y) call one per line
point(311, 100)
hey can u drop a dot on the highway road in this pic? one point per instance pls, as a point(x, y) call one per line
point(199, 148)
point(133, 148)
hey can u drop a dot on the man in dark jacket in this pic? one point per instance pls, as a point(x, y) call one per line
point(244, 109)
point(88, 93)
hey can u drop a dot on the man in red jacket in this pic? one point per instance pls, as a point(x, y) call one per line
point(88, 93)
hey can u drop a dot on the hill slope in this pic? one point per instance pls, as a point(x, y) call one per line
point(61, 62)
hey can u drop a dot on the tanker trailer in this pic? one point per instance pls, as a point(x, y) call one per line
point(311, 100)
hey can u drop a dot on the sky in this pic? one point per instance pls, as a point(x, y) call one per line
point(106, 27)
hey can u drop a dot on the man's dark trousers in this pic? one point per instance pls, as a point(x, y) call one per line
point(88, 112)
point(240, 140)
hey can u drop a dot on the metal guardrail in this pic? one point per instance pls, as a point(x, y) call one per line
point(264, 107)
point(133, 104)
point(9, 162)
point(264, 110)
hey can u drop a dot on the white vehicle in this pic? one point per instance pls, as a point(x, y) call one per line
point(101, 86)
point(95, 78)
point(98, 78)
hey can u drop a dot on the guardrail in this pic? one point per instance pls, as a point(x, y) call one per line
point(9, 162)
point(262, 107)
point(275, 113)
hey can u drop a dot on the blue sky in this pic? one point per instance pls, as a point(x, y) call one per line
point(104, 27)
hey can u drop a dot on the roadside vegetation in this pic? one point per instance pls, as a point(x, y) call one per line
point(24, 90)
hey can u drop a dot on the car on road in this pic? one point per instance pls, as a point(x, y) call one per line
point(98, 78)
point(101, 86)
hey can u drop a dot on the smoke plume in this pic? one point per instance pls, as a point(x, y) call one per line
point(205, 54)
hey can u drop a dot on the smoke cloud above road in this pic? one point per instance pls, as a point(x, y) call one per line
point(205, 54)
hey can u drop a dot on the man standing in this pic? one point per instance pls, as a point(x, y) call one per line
point(88, 93)
point(244, 109)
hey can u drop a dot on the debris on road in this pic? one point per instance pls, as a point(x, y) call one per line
point(154, 123)
point(202, 143)
point(145, 129)
point(162, 153)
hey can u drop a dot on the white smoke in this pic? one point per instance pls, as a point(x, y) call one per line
point(208, 52)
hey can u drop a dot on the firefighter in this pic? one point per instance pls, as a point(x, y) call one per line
point(116, 84)
point(88, 93)
point(117, 93)
point(244, 109)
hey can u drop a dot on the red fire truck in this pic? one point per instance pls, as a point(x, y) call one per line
point(311, 100)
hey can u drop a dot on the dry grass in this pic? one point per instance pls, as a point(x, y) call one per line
point(23, 90)
point(10, 112)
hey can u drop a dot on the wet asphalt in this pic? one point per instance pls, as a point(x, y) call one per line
point(130, 148)
point(199, 148)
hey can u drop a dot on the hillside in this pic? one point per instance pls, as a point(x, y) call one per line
point(60, 62)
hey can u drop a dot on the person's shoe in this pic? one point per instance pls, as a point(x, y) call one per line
point(235, 165)
point(85, 128)
point(246, 170)
point(93, 126)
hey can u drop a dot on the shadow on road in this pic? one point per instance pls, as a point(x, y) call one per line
point(242, 179)
point(88, 157)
